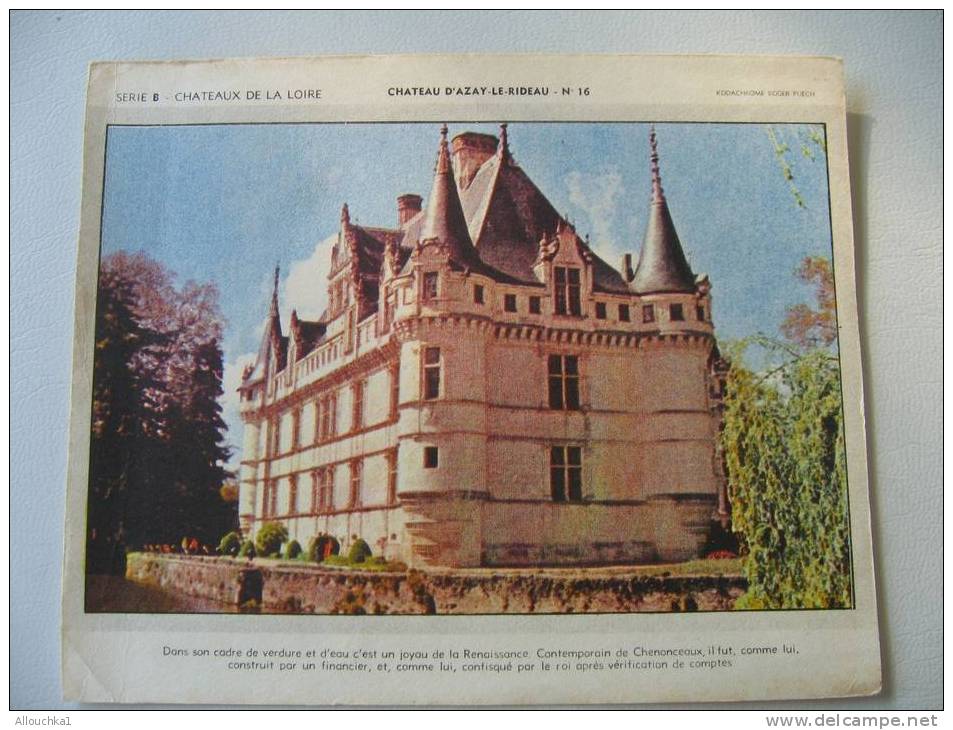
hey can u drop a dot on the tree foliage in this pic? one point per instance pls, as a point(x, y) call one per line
point(809, 142)
point(806, 326)
point(157, 435)
point(783, 440)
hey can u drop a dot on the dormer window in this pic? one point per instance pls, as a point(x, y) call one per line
point(567, 294)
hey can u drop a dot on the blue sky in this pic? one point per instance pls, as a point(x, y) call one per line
point(225, 203)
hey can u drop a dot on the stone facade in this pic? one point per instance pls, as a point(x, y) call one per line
point(483, 389)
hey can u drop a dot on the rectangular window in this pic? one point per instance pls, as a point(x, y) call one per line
point(676, 313)
point(392, 477)
point(565, 473)
point(316, 495)
point(509, 302)
point(431, 373)
point(295, 429)
point(700, 312)
point(293, 494)
point(623, 312)
point(648, 313)
point(567, 292)
point(276, 447)
point(327, 488)
point(430, 284)
point(535, 305)
point(477, 294)
point(431, 457)
point(394, 392)
point(318, 424)
point(357, 421)
point(563, 382)
point(273, 499)
point(600, 310)
point(325, 407)
point(333, 420)
point(355, 496)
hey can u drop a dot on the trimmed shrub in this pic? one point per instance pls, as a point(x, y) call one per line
point(230, 545)
point(269, 539)
point(322, 546)
point(312, 553)
point(292, 550)
point(359, 552)
point(247, 550)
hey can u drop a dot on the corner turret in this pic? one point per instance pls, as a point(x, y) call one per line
point(662, 267)
point(444, 221)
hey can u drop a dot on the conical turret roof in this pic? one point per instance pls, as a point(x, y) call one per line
point(444, 219)
point(662, 266)
point(271, 337)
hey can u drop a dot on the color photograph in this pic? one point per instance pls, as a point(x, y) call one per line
point(466, 368)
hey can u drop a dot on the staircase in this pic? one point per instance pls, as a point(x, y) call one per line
point(436, 543)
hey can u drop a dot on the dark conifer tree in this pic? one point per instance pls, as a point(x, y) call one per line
point(157, 447)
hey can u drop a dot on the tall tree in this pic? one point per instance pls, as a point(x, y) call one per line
point(121, 419)
point(784, 450)
point(157, 433)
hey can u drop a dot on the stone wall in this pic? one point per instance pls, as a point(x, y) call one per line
point(279, 587)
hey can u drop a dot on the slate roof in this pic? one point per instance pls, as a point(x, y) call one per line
point(505, 217)
point(311, 334)
point(508, 215)
point(493, 225)
point(443, 217)
point(662, 266)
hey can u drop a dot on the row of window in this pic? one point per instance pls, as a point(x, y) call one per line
point(565, 481)
point(322, 488)
point(563, 389)
point(565, 471)
point(326, 408)
point(567, 301)
point(563, 380)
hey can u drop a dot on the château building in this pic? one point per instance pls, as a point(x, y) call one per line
point(484, 389)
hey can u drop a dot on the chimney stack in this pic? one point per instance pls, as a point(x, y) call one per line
point(627, 273)
point(470, 151)
point(407, 207)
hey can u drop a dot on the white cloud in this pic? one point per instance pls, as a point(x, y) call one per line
point(306, 286)
point(597, 195)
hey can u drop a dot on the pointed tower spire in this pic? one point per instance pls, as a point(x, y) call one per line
point(662, 266)
point(345, 215)
point(503, 150)
point(444, 219)
point(658, 194)
point(271, 338)
point(274, 292)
